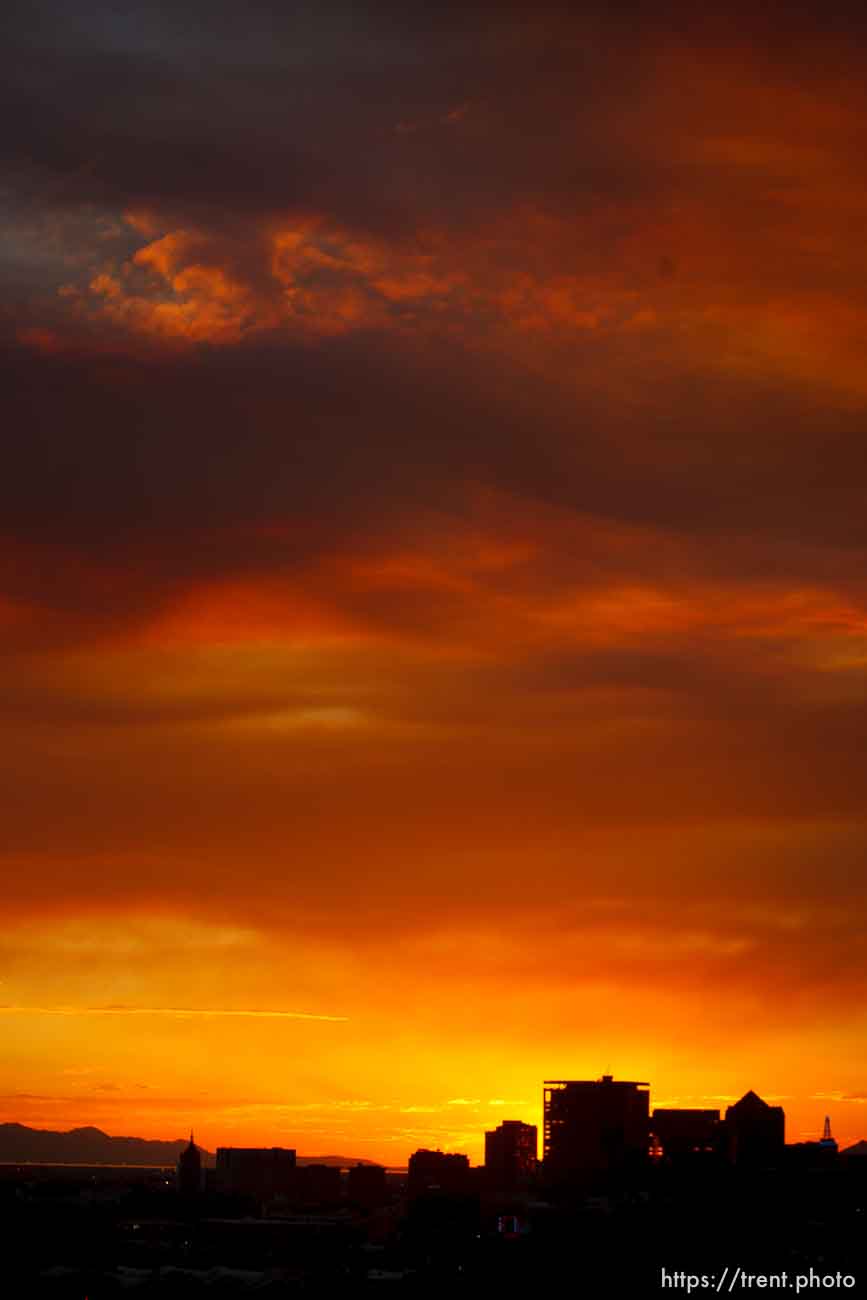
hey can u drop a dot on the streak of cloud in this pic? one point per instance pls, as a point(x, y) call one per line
point(184, 1012)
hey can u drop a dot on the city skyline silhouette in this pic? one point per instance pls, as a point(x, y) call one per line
point(649, 1197)
point(33, 1144)
point(433, 607)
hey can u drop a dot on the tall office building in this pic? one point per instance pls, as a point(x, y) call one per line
point(755, 1131)
point(262, 1172)
point(443, 1172)
point(681, 1133)
point(594, 1128)
point(510, 1155)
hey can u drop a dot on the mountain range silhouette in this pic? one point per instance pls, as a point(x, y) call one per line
point(90, 1146)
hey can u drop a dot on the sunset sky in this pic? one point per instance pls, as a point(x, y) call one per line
point(434, 583)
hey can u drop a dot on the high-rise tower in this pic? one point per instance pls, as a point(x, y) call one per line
point(594, 1128)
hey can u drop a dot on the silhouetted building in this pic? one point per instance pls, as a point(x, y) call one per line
point(438, 1171)
point(189, 1170)
point(827, 1141)
point(594, 1128)
point(755, 1131)
point(443, 1210)
point(680, 1133)
point(317, 1185)
point(262, 1172)
point(367, 1187)
point(510, 1155)
point(816, 1155)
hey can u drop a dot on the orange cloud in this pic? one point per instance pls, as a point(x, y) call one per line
point(300, 719)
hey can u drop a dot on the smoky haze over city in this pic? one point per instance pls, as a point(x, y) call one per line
point(433, 611)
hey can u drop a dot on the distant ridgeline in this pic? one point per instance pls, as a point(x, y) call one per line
point(86, 1146)
point(90, 1146)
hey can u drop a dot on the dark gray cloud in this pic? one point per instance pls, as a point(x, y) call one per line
point(226, 114)
point(224, 109)
point(155, 465)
